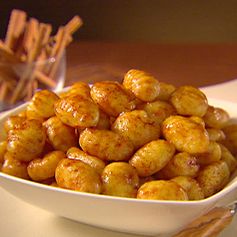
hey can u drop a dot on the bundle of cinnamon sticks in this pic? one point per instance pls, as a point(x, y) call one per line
point(30, 55)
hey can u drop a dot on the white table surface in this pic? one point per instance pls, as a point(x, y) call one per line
point(19, 219)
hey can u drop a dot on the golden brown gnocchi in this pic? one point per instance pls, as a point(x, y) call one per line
point(152, 157)
point(14, 167)
point(166, 90)
point(216, 117)
point(77, 111)
point(162, 190)
point(60, 135)
point(41, 105)
point(191, 186)
point(213, 154)
point(13, 122)
point(158, 110)
point(42, 169)
point(229, 159)
point(105, 144)
point(120, 179)
point(213, 177)
point(140, 138)
point(112, 98)
point(137, 126)
point(76, 175)
point(186, 134)
point(78, 88)
point(143, 85)
point(182, 164)
point(27, 141)
point(77, 154)
point(189, 100)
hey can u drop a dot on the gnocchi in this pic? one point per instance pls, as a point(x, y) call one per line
point(42, 169)
point(41, 105)
point(112, 98)
point(106, 145)
point(213, 177)
point(143, 85)
point(26, 142)
point(137, 126)
point(77, 154)
point(140, 138)
point(162, 190)
point(181, 164)
point(60, 135)
point(190, 101)
point(77, 111)
point(14, 167)
point(158, 110)
point(120, 179)
point(76, 175)
point(213, 154)
point(216, 117)
point(152, 157)
point(191, 186)
point(186, 134)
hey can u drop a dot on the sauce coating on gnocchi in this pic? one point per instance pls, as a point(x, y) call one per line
point(139, 138)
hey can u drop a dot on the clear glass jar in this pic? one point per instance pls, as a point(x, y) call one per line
point(19, 81)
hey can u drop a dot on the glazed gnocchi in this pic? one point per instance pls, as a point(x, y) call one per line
point(140, 138)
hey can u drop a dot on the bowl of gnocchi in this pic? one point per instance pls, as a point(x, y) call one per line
point(138, 156)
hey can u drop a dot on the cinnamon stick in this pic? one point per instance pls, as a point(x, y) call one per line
point(3, 91)
point(30, 42)
point(73, 25)
point(15, 27)
point(41, 77)
point(7, 54)
point(30, 35)
point(59, 55)
point(29, 67)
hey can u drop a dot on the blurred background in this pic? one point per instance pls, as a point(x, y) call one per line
point(169, 21)
point(178, 41)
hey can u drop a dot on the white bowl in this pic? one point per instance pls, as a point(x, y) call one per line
point(148, 217)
